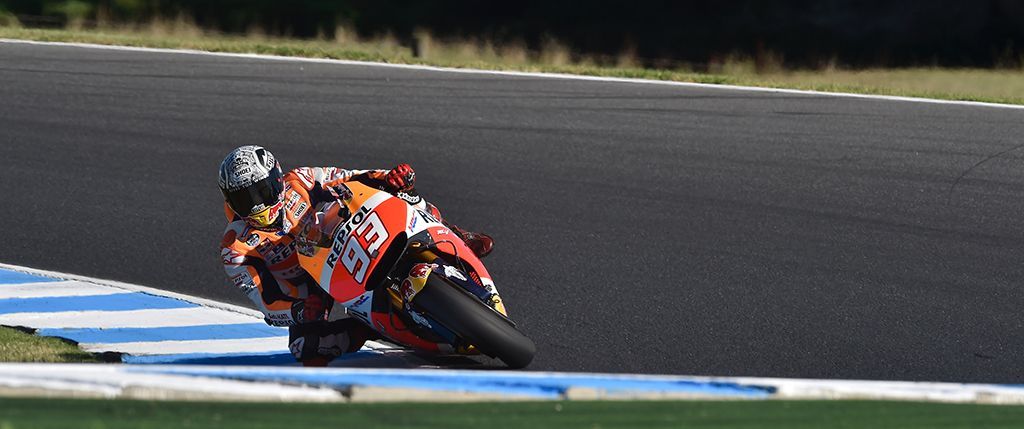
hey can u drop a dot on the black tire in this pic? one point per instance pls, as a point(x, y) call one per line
point(474, 322)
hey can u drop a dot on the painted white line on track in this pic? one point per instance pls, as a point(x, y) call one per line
point(244, 345)
point(520, 74)
point(55, 289)
point(164, 318)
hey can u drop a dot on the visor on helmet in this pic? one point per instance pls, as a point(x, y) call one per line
point(257, 197)
point(264, 218)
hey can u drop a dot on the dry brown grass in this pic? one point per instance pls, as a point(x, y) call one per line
point(765, 69)
point(1006, 84)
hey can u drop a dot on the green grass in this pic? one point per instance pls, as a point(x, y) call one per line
point(998, 86)
point(42, 413)
point(18, 346)
point(16, 413)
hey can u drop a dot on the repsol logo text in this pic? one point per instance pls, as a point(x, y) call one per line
point(341, 237)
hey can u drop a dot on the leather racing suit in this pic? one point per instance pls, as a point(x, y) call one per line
point(263, 264)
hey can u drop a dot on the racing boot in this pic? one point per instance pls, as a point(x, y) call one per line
point(481, 244)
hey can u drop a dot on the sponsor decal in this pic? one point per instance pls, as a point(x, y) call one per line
point(292, 199)
point(452, 272)
point(407, 290)
point(245, 283)
point(408, 198)
point(253, 240)
point(335, 253)
point(302, 209)
point(279, 253)
point(242, 279)
point(347, 247)
point(427, 216)
point(279, 319)
point(421, 271)
point(343, 233)
point(361, 300)
point(412, 223)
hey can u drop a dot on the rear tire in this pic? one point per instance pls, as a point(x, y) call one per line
point(474, 322)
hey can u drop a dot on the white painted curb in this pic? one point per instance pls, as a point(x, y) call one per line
point(263, 383)
point(234, 383)
point(112, 382)
point(144, 318)
point(136, 288)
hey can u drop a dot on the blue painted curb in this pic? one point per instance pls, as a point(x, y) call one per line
point(170, 333)
point(536, 385)
point(116, 302)
point(268, 358)
point(235, 359)
point(16, 277)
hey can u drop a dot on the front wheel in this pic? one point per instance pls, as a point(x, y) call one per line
point(474, 322)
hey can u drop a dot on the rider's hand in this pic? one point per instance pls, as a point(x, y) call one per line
point(402, 178)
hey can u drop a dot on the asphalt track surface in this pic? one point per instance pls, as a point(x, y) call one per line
point(640, 228)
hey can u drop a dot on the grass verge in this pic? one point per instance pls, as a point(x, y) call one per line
point(18, 413)
point(996, 86)
point(18, 346)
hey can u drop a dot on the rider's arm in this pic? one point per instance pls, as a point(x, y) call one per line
point(332, 176)
point(249, 273)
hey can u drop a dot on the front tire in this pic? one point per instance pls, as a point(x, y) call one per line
point(474, 322)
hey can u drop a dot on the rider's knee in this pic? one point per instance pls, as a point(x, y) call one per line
point(316, 344)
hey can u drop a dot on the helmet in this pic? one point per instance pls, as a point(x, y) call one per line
point(251, 181)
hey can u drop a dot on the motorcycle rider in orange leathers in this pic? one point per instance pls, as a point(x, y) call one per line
point(265, 208)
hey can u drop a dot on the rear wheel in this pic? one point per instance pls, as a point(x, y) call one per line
point(474, 322)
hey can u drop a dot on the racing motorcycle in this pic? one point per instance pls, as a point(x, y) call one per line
point(406, 275)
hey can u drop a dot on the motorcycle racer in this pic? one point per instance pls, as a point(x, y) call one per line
point(266, 209)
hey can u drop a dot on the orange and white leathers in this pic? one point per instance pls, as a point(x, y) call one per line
point(263, 263)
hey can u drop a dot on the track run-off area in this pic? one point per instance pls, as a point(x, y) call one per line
point(639, 227)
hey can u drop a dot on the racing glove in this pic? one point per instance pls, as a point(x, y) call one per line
point(402, 178)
